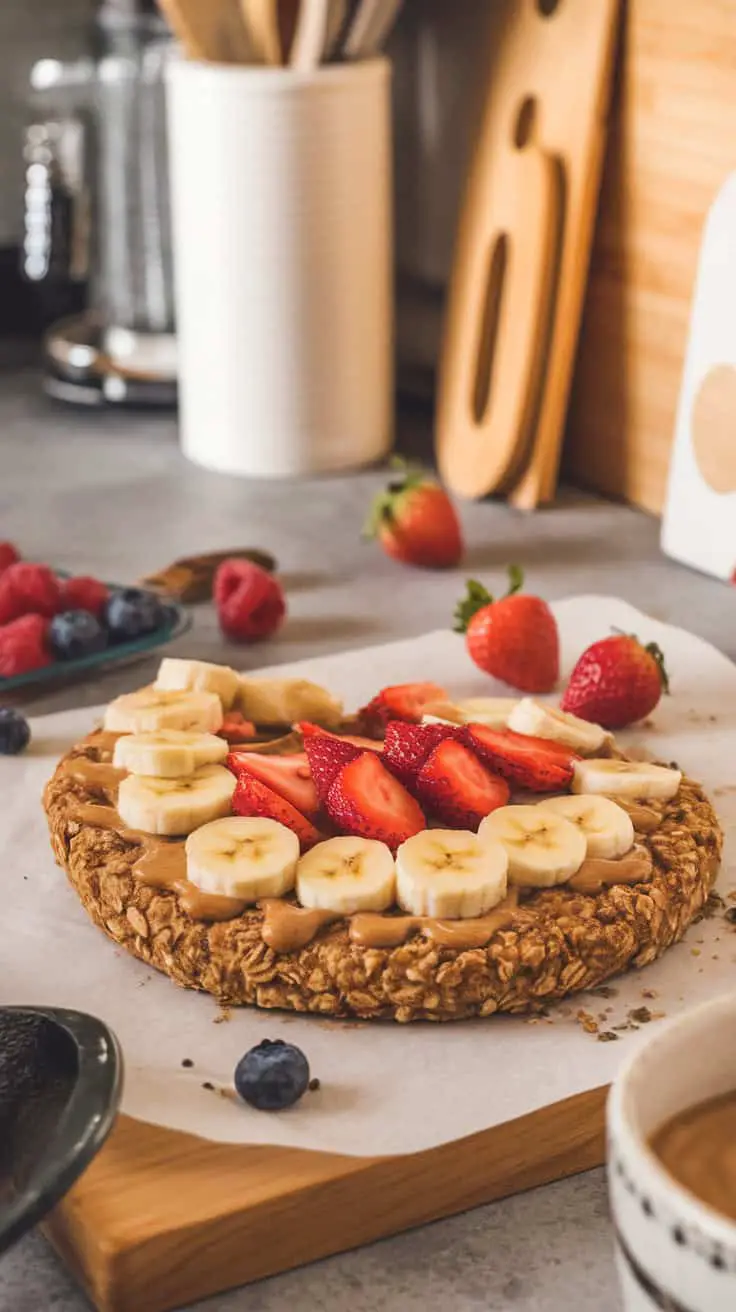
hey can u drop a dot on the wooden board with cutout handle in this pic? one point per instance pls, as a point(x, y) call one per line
point(512, 319)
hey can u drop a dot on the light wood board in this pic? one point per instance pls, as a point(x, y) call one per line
point(522, 251)
point(670, 149)
point(161, 1218)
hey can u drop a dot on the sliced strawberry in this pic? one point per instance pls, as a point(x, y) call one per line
point(309, 730)
point(326, 756)
point(457, 788)
point(407, 746)
point(251, 797)
point(366, 800)
point(289, 776)
point(401, 701)
point(236, 729)
point(534, 763)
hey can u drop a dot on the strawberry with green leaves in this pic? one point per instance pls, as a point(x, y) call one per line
point(515, 639)
point(415, 521)
point(616, 682)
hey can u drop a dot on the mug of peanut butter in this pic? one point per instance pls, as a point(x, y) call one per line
point(672, 1165)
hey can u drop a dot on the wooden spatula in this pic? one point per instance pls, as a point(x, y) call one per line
point(261, 22)
point(209, 29)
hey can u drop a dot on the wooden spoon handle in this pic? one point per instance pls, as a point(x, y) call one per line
point(261, 24)
point(209, 29)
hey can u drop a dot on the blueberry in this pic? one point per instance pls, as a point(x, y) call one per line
point(272, 1076)
point(131, 612)
point(76, 633)
point(15, 733)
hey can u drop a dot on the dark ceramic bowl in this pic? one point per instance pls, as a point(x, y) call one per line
point(60, 1085)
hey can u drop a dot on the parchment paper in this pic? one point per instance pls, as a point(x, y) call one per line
point(385, 1088)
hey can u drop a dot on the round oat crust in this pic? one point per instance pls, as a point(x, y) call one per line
point(559, 942)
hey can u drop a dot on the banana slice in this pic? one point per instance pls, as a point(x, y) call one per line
point(347, 875)
point(169, 753)
point(492, 711)
point(151, 709)
point(283, 701)
point(175, 675)
point(451, 874)
point(607, 829)
point(246, 857)
point(540, 721)
point(543, 848)
point(175, 806)
point(638, 780)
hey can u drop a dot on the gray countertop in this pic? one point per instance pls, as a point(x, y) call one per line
point(110, 495)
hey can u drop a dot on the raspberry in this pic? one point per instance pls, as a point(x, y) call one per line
point(8, 555)
point(84, 593)
point(250, 602)
point(28, 590)
point(23, 646)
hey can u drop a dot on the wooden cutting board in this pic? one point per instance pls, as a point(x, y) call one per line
point(670, 150)
point(523, 245)
point(161, 1218)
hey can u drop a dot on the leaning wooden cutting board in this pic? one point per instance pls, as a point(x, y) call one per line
point(162, 1219)
point(522, 250)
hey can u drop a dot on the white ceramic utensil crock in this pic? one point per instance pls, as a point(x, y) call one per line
point(674, 1253)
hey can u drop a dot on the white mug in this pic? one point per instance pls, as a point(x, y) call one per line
point(281, 188)
point(674, 1253)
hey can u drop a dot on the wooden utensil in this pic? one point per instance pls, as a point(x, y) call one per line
point(261, 22)
point(209, 29)
point(522, 251)
point(310, 38)
point(370, 28)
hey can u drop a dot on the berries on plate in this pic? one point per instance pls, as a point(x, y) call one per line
point(289, 776)
point(272, 1076)
point(367, 801)
point(407, 746)
point(252, 797)
point(131, 613)
point(250, 602)
point(23, 646)
point(616, 682)
point(27, 589)
point(455, 787)
point(15, 732)
point(84, 593)
point(9, 554)
point(401, 701)
point(326, 756)
point(533, 763)
point(515, 639)
point(76, 633)
point(415, 521)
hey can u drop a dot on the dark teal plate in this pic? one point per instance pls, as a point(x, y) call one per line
point(178, 621)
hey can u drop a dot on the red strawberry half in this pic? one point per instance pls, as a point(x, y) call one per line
point(407, 746)
point(401, 701)
point(309, 730)
point(289, 776)
point(327, 756)
point(366, 800)
point(533, 763)
point(457, 788)
point(251, 797)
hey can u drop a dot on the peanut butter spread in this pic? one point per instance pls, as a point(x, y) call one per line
point(288, 927)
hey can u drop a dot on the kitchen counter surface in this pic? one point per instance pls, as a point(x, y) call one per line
point(110, 495)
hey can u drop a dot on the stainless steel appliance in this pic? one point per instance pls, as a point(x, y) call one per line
point(97, 211)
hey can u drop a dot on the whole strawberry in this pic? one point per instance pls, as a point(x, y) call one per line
point(616, 682)
point(415, 522)
point(515, 639)
point(250, 603)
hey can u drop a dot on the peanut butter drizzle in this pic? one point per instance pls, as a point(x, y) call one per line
point(287, 928)
point(644, 818)
point(100, 774)
point(598, 872)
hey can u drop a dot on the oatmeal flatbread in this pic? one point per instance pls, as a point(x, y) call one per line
point(557, 941)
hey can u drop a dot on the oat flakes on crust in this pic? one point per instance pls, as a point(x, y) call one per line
point(558, 943)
